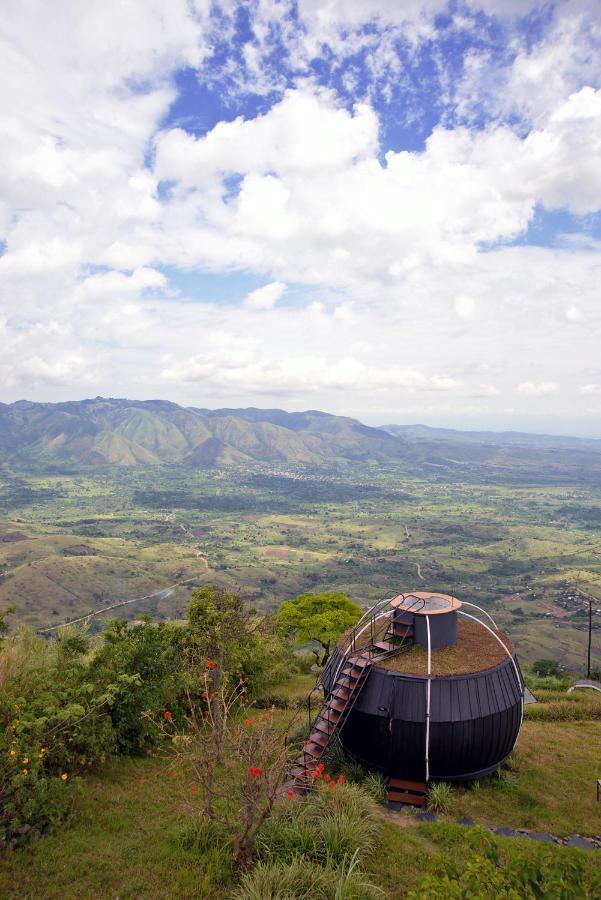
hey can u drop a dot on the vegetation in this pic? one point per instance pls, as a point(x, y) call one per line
point(320, 618)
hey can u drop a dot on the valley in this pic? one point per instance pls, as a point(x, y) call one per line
point(89, 538)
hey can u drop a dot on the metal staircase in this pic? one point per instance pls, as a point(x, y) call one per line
point(380, 633)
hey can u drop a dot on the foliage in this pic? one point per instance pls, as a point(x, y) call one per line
point(54, 724)
point(440, 797)
point(547, 668)
point(476, 864)
point(303, 880)
point(335, 822)
point(154, 653)
point(230, 766)
point(318, 617)
point(223, 629)
point(374, 784)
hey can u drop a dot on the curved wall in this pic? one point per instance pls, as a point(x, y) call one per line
point(474, 723)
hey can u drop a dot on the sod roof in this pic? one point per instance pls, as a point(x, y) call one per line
point(475, 650)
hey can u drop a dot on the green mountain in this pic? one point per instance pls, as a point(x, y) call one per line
point(130, 432)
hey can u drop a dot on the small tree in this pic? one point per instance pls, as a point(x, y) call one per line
point(546, 668)
point(231, 764)
point(318, 617)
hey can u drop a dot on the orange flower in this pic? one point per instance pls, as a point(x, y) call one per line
point(211, 664)
point(193, 788)
point(248, 721)
point(168, 716)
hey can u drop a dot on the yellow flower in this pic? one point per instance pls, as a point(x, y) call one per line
point(25, 759)
point(64, 776)
point(13, 752)
point(25, 771)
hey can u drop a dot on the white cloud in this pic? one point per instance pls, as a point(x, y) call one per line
point(464, 306)
point(265, 297)
point(537, 388)
point(100, 199)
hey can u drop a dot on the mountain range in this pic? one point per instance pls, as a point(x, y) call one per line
point(132, 432)
point(123, 432)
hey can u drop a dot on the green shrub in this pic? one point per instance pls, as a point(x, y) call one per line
point(330, 825)
point(476, 864)
point(440, 797)
point(374, 784)
point(54, 724)
point(303, 880)
point(294, 880)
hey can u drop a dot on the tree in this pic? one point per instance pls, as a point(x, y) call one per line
point(318, 617)
point(546, 668)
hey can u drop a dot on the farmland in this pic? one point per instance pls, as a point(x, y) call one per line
point(93, 537)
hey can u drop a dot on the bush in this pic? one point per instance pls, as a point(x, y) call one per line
point(374, 784)
point(440, 797)
point(54, 724)
point(303, 880)
point(476, 864)
point(331, 825)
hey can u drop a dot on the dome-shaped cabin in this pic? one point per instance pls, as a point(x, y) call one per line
point(421, 689)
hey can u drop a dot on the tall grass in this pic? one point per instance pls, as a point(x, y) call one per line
point(330, 826)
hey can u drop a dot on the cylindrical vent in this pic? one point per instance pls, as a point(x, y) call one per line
point(443, 630)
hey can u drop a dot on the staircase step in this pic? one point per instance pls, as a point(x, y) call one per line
point(338, 705)
point(324, 725)
point(418, 787)
point(399, 630)
point(361, 661)
point(313, 750)
point(341, 693)
point(346, 682)
point(385, 646)
point(317, 737)
point(353, 672)
point(404, 797)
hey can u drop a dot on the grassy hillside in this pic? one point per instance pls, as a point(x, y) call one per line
point(128, 433)
point(131, 832)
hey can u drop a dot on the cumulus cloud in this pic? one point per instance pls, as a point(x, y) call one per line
point(537, 388)
point(413, 295)
point(265, 297)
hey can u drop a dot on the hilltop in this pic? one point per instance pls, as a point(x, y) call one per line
point(131, 432)
point(121, 432)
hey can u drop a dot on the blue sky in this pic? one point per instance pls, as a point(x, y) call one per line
point(385, 210)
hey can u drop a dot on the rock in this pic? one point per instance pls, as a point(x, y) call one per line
point(542, 836)
point(465, 821)
point(575, 840)
point(426, 816)
point(505, 832)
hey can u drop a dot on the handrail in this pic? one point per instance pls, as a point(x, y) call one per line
point(428, 699)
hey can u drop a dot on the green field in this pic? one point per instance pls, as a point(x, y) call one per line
point(95, 537)
point(126, 837)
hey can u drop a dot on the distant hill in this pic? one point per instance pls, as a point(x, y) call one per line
point(509, 456)
point(137, 433)
point(131, 432)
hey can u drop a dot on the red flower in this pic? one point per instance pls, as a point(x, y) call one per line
point(332, 784)
point(291, 794)
point(211, 664)
point(168, 716)
point(341, 779)
point(248, 721)
point(255, 771)
point(326, 777)
point(193, 789)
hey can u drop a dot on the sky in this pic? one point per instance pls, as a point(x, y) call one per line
point(389, 210)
